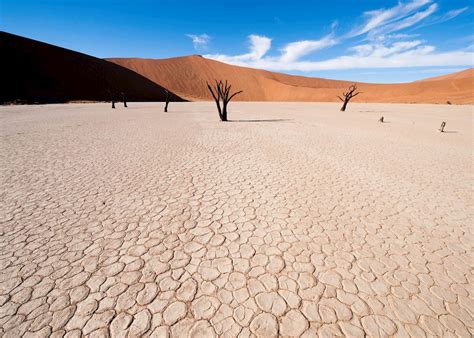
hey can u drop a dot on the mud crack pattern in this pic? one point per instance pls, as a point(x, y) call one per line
point(140, 223)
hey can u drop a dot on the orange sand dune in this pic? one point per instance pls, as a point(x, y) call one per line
point(34, 71)
point(467, 73)
point(187, 76)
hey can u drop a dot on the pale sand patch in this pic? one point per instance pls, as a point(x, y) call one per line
point(311, 222)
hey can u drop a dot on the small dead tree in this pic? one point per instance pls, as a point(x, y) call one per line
point(381, 119)
point(167, 100)
point(348, 96)
point(112, 98)
point(124, 99)
point(221, 92)
point(441, 128)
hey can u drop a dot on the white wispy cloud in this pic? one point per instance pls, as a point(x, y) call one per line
point(453, 13)
point(387, 46)
point(380, 50)
point(404, 23)
point(296, 50)
point(200, 42)
point(258, 47)
point(377, 18)
point(443, 18)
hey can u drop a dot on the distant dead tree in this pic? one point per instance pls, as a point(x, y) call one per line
point(111, 96)
point(221, 92)
point(167, 100)
point(124, 99)
point(381, 119)
point(348, 96)
point(441, 128)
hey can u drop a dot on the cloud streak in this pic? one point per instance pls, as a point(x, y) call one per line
point(405, 23)
point(386, 45)
point(296, 50)
point(376, 19)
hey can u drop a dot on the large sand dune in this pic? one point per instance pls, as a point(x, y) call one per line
point(187, 76)
point(34, 71)
point(293, 219)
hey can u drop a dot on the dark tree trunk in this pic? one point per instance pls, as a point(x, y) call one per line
point(219, 110)
point(224, 113)
point(124, 99)
point(167, 101)
point(344, 105)
point(113, 104)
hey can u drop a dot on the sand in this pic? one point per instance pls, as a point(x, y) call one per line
point(187, 76)
point(295, 219)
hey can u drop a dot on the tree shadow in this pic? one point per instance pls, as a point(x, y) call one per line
point(270, 120)
point(450, 132)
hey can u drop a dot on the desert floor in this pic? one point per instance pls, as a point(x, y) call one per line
point(294, 219)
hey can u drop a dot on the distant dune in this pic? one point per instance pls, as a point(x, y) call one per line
point(34, 71)
point(187, 76)
point(464, 74)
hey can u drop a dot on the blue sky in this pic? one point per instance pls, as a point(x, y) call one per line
point(363, 40)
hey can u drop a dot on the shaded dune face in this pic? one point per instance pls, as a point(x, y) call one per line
point(33, 71)
point(187, 76)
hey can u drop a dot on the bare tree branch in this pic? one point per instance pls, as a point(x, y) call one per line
point(230, 98)
point(221, 93)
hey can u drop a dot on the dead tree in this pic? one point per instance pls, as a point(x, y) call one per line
point(124, 100)
point(381, 119)
point(348, 96)
point(112, 98)
point(221, 92)
point(441, 128)
point(167, 100)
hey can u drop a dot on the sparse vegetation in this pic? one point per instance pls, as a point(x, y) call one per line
point(221, 92)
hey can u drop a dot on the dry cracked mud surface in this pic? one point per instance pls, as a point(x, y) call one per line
point(134, 222)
